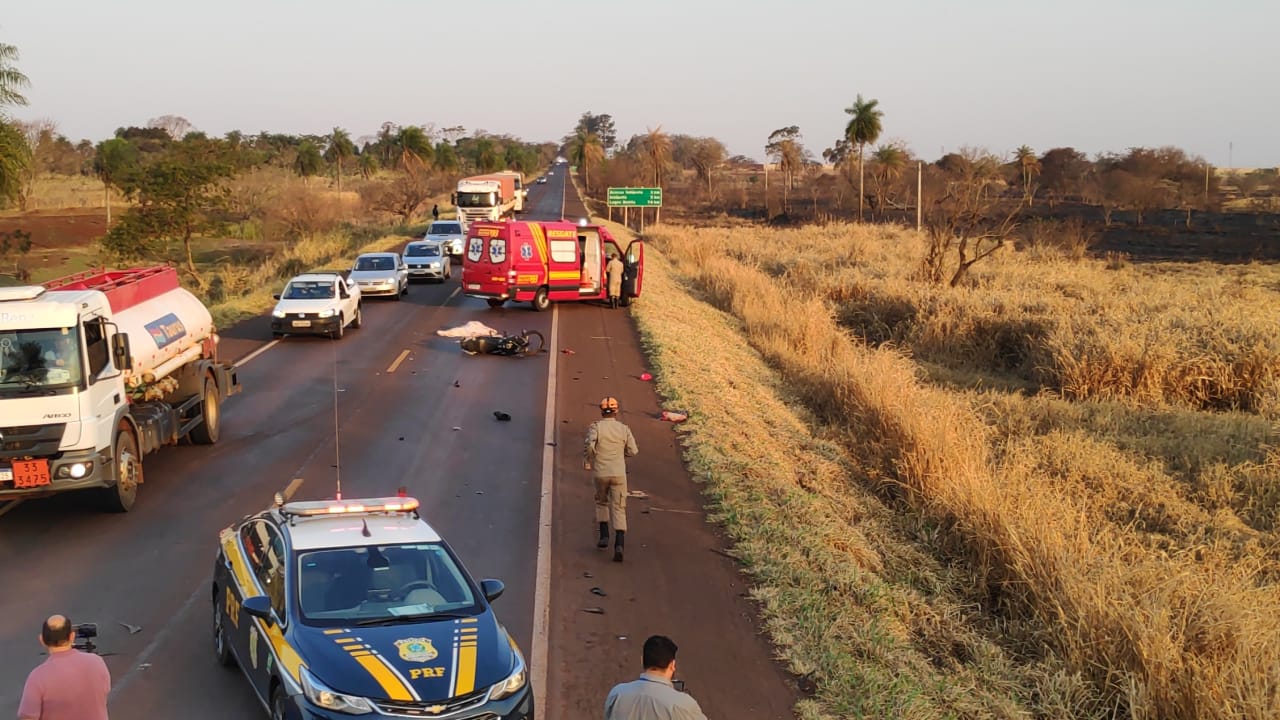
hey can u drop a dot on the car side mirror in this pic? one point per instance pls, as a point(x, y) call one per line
point(120, 354)
point(492, 589)
point(259, 606)
point(276, 296)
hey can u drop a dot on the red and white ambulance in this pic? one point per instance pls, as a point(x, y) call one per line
point(545, 262)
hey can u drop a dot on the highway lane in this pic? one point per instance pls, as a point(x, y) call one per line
point(478, 484)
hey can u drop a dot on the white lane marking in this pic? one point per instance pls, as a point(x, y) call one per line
point(542, 582)
point(399, 359)
point(452, 295)
point(9, 506)
point(245, 360)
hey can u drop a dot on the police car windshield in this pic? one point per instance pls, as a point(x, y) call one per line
point(391, 583)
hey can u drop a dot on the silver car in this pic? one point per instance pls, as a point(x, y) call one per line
point(449, 233)
point(380, 273)
point(427, 260)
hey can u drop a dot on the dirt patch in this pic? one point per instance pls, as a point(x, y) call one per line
point(58, 228)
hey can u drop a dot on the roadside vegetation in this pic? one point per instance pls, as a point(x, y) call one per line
point(1080, 454)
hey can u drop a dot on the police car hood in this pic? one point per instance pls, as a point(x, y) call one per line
point(409, 662)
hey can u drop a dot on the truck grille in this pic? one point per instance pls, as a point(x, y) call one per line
point(31, 440)
point(446, 708)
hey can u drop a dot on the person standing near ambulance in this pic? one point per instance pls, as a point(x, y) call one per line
point(613, 270)
point(609, 443)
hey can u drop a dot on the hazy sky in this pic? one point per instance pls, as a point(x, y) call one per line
point(1096, 75)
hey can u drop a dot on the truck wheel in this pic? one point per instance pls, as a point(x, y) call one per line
point(206, 433)
point(540, 300)
point(355, 324)
point(496, 303)
point(128, 468)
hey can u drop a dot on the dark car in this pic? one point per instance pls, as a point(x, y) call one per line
point(358, 607)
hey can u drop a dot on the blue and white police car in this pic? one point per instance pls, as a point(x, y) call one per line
point(337, 608)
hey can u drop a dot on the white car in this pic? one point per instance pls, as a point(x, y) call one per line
point(427, 260)
point(321, 303)
point(380, 273)
point(449, 233)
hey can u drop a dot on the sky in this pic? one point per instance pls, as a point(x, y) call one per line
point(993, 74)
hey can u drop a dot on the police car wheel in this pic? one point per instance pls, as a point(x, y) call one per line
point(221, 648)
point(278, 710)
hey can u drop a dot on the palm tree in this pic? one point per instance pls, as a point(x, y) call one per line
point(308, 160)
point(1029, 164)
point(15, 154)
point(415, 148)
point(340, 148)
point(657, 147)
point(585, 150)
point(890, 161)
point(863, 128)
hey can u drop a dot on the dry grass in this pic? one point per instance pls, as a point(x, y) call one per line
point(1126, 539)
point(60, 192)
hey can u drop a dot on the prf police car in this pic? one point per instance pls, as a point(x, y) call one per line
point(340, 608)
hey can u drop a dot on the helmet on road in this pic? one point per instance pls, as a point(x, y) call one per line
point(609, 406)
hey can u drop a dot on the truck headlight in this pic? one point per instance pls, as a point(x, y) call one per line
point(514, 682)
point(321, 695)
point(325, 313)
point(278, 313)
point(75, 470)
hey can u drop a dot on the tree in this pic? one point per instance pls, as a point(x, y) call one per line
point(1063, 172)
point(40, 136)
point(175, 126)
point(657, 151)
point(446, 158)
point(1029, 166)
point(15, 154)
point(14, 245)
point(414, 149)
point(113, 160)
point(966, 220)
point(368, 164)
point(12, 81)
point(176, 198)
point(340, 149)
point(785, 149)
point(706, 156)
point(585, 150)
point(863, 128)
point(401, 196)
point(308, 163)
point(599, 125)
point(890, 160)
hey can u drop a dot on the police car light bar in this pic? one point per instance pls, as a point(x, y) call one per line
point(316, 508)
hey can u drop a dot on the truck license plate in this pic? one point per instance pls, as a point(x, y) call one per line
point(30, 473)
point(302, 323)
point(6, 474)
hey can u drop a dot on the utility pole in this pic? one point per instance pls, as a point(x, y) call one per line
point(1206, 186)
point(766, 188)
point(919, 194)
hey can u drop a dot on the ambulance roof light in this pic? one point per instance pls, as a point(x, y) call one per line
point(582, 222)
point(317, 508)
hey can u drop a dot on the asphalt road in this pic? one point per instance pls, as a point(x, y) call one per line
point(308, 405)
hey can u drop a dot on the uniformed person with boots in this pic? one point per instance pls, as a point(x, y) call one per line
point(614, 271)
point(609, 443)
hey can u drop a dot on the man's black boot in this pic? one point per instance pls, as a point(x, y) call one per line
point(604, 535)
point(618, 539)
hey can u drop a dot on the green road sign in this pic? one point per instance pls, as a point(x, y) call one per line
point(635, 197)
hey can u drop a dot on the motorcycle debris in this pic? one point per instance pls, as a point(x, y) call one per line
point(587, 574)
point(133, 629)
point(594, 610)
point(598, 591)
point(622, 637)
point(457, 384)
point(501, 416)
point(456, 428)
point(567, 351)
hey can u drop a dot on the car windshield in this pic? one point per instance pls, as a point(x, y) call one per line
point(39, 358)
point(476, 199)
point(308, 290)
point(443, 228)
point(382, 583)
point(375, 263)
point(423, 251)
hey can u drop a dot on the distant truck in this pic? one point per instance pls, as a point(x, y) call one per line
point(486, 197)
point(545, 262)
point(97, 370)
point(522, 192)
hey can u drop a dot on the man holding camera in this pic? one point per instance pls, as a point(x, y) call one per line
point(69, 684)
point(655, 695)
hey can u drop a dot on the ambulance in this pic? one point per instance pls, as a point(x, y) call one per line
point(545, 262)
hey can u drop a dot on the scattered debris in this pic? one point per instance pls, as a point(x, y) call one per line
point(551, 444)
point(401, 438)
point(501, 416)
point(133, 629)
point(479, 492)
point(144, 666)
point(594, 610)
point(622, 637)
point(806, 683)
point(598, 591)
point(646, 377)
point(675, 416)
point(457, 384)
point(456, 428)
point(637, 494)
point(587, 574)
point(567, 351)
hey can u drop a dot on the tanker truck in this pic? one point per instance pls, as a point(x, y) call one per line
point(485, 197)
point(97, 370)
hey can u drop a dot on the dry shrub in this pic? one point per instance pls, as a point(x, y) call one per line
point(301, 212)
point(1162, 634)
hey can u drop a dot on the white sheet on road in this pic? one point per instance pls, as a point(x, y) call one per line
point(473, 328)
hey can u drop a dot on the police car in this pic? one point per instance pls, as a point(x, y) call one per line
point(337, 608)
